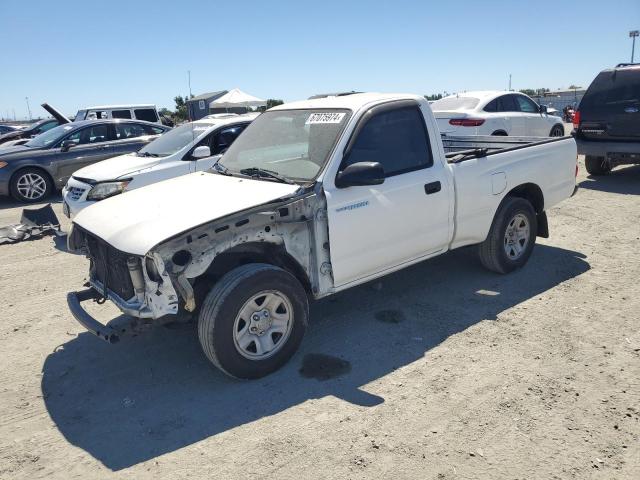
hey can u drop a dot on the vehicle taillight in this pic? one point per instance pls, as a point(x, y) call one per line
point(576, 119)
point(466, 122)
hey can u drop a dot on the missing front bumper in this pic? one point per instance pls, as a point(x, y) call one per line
point(74, 300)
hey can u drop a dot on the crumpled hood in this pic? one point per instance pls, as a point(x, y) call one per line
point(116, 167)
point(136, 221)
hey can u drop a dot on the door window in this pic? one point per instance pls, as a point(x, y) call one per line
point(492, 106)
point(146, 114)
point(129, 130)
point(526, 105)
point(225, 137)
point(396, 139)
point(121, 113)
point(93, 134)
point(506, 103)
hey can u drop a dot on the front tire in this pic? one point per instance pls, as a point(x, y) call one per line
point(557, 131)
point(30, 185)
point(511, 238)
point(253, 320)
point(597, 165)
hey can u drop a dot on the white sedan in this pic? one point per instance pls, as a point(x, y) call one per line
point(191, 147)
point(495, 113)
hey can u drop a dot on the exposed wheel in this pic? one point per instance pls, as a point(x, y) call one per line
point(30, 185)
point(500, 133)
point(253, 320)
point(557, 131)
point(511, 238)
point(597, 165)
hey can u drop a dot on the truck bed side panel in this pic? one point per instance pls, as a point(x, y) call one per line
point(482, 183)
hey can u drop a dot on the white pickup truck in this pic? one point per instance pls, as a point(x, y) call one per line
point(313, 198)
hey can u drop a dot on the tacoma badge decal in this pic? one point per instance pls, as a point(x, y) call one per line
point(353, 206)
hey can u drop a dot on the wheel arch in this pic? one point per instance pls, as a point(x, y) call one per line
point(256, 252)
point(533, 194)
point(500, 132)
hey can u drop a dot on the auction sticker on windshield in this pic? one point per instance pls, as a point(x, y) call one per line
point(316, 118)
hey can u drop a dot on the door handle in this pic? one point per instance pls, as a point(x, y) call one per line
point(433, 187)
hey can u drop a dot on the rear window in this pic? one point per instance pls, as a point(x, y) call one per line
point(455, 103)
point(147, 114)
point(610, 90)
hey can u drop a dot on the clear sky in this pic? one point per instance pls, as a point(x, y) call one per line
point(80, 53)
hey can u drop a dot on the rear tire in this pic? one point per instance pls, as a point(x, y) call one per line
point(597, 165)
point(511, 238)
point(253, 320)
point(30, 185)
point(557, 131)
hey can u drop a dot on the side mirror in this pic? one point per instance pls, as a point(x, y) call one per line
point(360, 174)
point(201, 152)
point(66, 145)
point(543, 109)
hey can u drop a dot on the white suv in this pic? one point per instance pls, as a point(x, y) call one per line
point(185, 149)
point(495, 113)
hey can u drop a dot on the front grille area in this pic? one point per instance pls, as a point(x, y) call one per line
point(109, 266)
point(76, 192)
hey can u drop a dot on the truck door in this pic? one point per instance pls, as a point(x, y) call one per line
point(379, 227)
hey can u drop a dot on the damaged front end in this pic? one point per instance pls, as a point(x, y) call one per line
point(131, 282)
point(291, 233)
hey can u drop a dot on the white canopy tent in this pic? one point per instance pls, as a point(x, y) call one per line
point(237, 98)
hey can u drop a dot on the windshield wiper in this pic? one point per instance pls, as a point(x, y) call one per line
point(147, 154)
point(262, 172)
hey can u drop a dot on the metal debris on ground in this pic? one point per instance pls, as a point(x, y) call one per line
point(34, 223)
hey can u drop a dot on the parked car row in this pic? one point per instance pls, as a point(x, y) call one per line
point(191, 147)
point(30, 172)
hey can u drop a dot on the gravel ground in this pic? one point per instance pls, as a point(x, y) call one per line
point(441, 371)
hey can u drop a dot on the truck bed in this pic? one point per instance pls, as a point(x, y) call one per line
point(461, 148)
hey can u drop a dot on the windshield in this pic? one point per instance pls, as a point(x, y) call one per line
point(49, 137)
point(455, 103)
point(80, 115)
point(294, 144)
point(174, 140)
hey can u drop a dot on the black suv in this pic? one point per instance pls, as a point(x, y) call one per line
point(607, 123)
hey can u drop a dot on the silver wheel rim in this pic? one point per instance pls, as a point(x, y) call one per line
point(516, 237)
point(263, 325)
point(31, 186)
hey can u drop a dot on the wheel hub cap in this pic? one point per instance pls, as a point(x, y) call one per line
point(263, 325)
point(31, 186)
point(516, 237)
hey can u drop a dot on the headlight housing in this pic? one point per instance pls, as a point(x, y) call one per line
point(100, 191)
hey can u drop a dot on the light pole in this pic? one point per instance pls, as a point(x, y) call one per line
point(633, 34)
point(28, 108)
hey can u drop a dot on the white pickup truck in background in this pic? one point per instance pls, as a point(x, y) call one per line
point(313, 198)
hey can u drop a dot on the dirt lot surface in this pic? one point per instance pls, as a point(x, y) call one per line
point(440, 371)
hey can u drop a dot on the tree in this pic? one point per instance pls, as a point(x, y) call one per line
point(434, 96)
point(574, 87)
point(273, 102)
point(181, 114)
point(528, 91)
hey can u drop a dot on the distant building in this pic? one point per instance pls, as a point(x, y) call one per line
point(559, 99)
point(198, 107)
